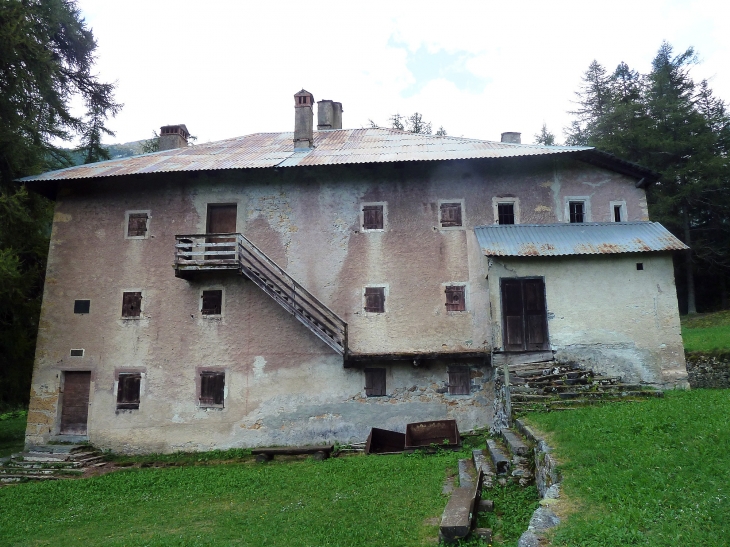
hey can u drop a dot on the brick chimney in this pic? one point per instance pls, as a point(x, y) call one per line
point(303, 120)
point(173, 136)
point(329, 115)
point(512, 137)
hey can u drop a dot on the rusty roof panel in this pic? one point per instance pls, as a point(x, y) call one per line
point(576, 239)
point(339, 146)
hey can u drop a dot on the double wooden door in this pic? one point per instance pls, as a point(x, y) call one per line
point(524, 314)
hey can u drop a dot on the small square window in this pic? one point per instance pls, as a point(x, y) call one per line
point(82, 306)
point(375, 299)
point(212, 388)
point(459, 383)
point(374, 382)
point(372, 217)
point(131, 304)
point(212, 302)
point(577, 211)
point(128, 390)
point(77, 353)
point(137, 224)
point(455, 298)
point(506, 213)
point(639, 266)
point(450, 215)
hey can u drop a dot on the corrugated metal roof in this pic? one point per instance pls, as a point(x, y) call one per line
point(576, 239)
point(339, 146)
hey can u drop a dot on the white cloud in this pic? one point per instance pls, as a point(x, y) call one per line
point(231, 68)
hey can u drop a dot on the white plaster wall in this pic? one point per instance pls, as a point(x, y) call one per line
point(606, 314)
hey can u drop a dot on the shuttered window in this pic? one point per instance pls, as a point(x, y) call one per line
point(128, 390)
point(131, 304)
point(455, 298)
point(372, 217)
point(450, 215)
point(374, 382)
point(212, 302)
point(212, 386)
point(459, 381)
point(137, 225)
point(375, 299)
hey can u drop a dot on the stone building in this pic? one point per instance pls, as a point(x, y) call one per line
point(290, 288)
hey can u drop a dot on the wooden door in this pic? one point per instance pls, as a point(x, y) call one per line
point(75, 402)
point(221, 220)
point(524, 315)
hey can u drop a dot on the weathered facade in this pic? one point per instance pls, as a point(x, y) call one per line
point(181, 349)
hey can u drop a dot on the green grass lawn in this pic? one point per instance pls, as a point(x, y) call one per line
point(706, 332)
point(655, 473)
point(12, 432)
point(348, 501)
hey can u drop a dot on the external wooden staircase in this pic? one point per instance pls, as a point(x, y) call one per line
point(199, 253)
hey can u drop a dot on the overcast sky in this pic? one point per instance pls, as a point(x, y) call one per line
point(230, 68)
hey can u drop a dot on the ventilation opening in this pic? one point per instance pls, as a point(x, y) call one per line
point(639, 265)
point(77, 353)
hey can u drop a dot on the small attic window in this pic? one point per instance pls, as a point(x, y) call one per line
point(450, 215)
point(577, 212)
point(82, 306)
point(375, 299)
point(455, 298)
point(372, 217)
point(639, 266)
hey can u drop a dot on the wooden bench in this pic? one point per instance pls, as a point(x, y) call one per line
point(267, 454)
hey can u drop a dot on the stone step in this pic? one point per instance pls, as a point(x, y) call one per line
point(43, 457)
point(499, 457)
point(467, 473)
point(59, 448)
point(19, 477)
point(515, 443)
point(90, 459)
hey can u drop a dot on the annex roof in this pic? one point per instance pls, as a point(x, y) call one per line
point(333, 147)
point(575, 239)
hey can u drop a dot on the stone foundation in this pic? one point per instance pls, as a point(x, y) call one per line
point(706, 370)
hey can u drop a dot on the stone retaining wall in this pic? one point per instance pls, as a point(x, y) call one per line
point(708, 369)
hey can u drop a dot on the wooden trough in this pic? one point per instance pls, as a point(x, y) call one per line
point(440, 433)
point(384, 441)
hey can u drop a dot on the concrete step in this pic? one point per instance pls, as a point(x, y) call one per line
point(515, 443)
point(59, 448)
point(499, 457)
point(43, 457)
point(467, 473)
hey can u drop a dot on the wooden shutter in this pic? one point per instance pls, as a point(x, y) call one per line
point(450, 214)
point(128, 390)
point(375, 382)
point(455, 298)
point(75, 403)
point(375, 299)
point(535, 314)
point(212, 302)
point(459, 382)
point(372, 217)
point(512, 315)
point(212, 388)
point(137, 225)
point(131, 304)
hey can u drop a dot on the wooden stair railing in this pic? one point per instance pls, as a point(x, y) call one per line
point(209, 252)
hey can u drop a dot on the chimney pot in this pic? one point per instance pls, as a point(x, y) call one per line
point(329, 115)
point(512, 137)
point(303, 120)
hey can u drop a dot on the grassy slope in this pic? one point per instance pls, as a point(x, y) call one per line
point(12, 432)
point(342, 501)
point(707, 331)
point(655, 473)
